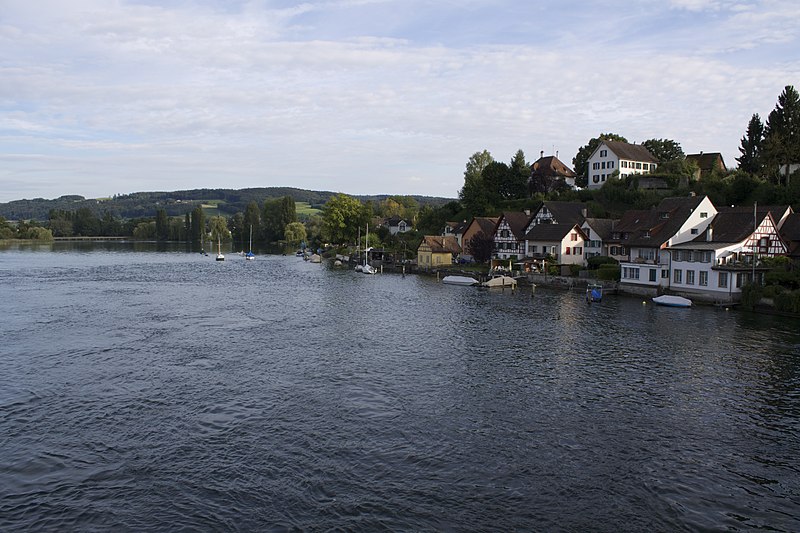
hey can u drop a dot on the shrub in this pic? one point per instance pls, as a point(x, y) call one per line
point(597, 261)
point(788, 302)
point(609, 272)
point(751, 295)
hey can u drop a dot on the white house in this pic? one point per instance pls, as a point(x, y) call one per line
point(398, 225)
point(620, 157)
point(564, 243)
point(598, 236)
point(646, 234)
point(717, 264)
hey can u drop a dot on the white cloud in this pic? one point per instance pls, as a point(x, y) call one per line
point(196, 96)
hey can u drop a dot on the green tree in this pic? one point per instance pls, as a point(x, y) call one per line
point(218, 227)
point(198, 222)
point(481, 247)
point(342, 216)
point(162, 225)
point(518, 175)
point(782, 133)
point(295, 233)
point(252, 218)
point(240, 233)
point(496, 179)
point(145, 231)
point(37, 233)
point(85, 223)
point(581, 160)
point(473, 193)
point(750, 160)
point(664, 149)
point(277, 213)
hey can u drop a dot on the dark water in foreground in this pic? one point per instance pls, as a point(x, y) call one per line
point(167, 392)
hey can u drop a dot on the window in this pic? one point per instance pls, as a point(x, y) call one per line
point(639, 166)
point(690, 277)
point(596, 178)
point(665, 274)
point(577, 250)
point(723, 279)
point(603, 153)
point(610, 164)
point(706, 257)
point(573, 236)
point(694, 231)
point(677, 255)
point(678, 276)
point(603, 177)
point(703, 278)
point(653, 275)
point(703, 215)
point(568, 251)
point(763, 245)
point(595, 166)
point(587, 231)
point(603, 166)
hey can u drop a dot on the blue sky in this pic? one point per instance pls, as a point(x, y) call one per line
point(103, 97)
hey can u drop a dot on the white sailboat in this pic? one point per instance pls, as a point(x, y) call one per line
point(366, 268)
point(220, 257)
point(250, 256)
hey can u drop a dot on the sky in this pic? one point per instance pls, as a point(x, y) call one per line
point(105, 97)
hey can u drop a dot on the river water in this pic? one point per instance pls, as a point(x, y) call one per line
point(165, 391)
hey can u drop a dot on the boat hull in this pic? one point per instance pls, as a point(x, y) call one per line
point(459, 280)
point(672, 301)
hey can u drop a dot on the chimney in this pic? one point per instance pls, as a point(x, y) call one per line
point(541, 154)
point(709, 234)
point(584, 212)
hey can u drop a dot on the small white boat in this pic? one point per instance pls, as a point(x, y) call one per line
point(459, 280)
point(672, 301)
point(220, 257)
point(501, 281)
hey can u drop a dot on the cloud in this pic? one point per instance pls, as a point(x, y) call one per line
point(207, 95)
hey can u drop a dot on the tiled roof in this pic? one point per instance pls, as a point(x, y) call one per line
point(566, 212)
point(517, 221)
point(439, 245)
point(604, 227)
point(706, 161)
point(731, 226)
point(551, 166)
point(549, 232)
point(487, 224)
point(630, 152)
point(655, 227)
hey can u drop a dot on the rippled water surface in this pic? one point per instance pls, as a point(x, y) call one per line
point(145, 391)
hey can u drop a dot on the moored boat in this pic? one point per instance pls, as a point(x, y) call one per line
point(459, 280)
point(670, 300)
point(501, 281)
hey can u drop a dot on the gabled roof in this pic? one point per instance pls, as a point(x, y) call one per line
point(732, 226)
point(395, 221)
point(551, 166)
point(565, 212)
point(487, 225)
point(551, 232)
point(790, 232)
point(604, 227)
point(655, 227)
point(517, 221)
point(440, 245)
point(707, 161)
point(630, 152)
point(457, 227)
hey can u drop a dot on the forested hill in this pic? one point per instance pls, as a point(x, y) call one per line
point(145, 204)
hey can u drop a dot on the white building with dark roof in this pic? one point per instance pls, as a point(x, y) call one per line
point(618, 160)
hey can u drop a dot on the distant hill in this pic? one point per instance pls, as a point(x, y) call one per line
point(145, 204)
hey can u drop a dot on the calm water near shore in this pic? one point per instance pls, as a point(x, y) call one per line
point(145, 390)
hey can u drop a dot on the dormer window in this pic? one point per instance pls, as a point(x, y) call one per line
point(664, 215)
point(647, 234)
